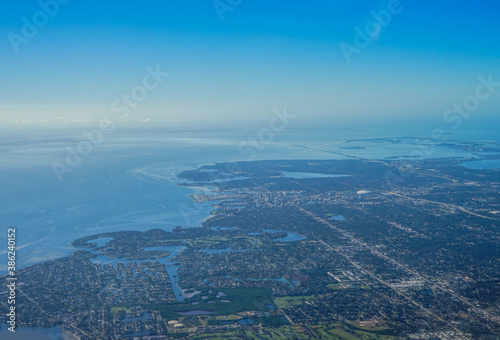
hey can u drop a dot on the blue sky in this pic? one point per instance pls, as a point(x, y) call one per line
point(262, 55)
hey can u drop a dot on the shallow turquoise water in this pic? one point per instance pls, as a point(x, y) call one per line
point(484, 164)
point(129, 182)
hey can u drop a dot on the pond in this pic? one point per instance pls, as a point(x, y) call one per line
point(290, 237)
point(196, 312)
point(338, 218)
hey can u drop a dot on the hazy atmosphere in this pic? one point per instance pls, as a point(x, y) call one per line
point(249, 170)
point(228, 64)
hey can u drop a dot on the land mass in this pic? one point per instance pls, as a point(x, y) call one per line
point(364, 249)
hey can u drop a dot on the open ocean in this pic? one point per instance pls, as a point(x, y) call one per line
point(129, 182)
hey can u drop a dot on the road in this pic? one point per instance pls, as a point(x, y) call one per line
point(438, 285)
point(448, 205)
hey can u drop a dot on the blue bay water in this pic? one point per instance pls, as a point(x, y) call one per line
point(33, 334)
point(483, 164)
point(129, 182)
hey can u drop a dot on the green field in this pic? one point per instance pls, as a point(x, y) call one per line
point(345, 332)
point(287, 301)
point(328, 332)
point(281, 333)
point(115, 310)
point(241, 299)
